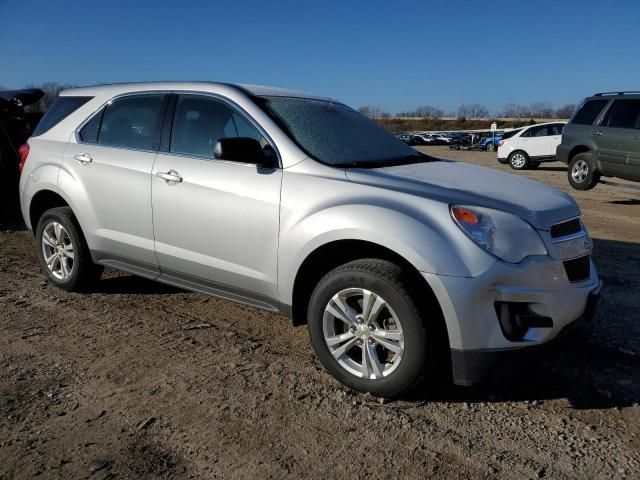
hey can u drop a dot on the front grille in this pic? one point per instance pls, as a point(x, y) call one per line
point(566, 228)
point(578, 269)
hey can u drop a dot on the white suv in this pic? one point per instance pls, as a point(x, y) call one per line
point(529, 146)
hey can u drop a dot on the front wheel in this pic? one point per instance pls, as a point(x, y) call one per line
point(368, 331)
point(582, 173)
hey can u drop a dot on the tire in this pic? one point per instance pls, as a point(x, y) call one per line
point(489, 147)
point(60, 239)
point(395, 312)
point(518, 160)
point(582, 173)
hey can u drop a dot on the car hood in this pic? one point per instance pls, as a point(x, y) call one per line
point(464, 184)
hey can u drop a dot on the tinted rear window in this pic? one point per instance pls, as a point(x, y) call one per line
point(61, 108)
point(623, 114)
point(511, 133)
point(589, 112)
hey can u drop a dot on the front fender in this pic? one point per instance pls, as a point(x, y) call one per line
point(425, 244)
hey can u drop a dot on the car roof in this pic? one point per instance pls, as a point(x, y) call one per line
point(119, 88)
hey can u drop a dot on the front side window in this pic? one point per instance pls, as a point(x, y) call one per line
point(556, 129)
point(541, 131)
point(623, 114)
point(337, 135)
point(199, 122)
point(131, 122)
point(589, 111)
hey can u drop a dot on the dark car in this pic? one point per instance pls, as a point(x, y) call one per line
point(16, 126)
point(603, 140)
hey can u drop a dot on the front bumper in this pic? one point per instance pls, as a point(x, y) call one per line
point(470, 367)
point(470, 306)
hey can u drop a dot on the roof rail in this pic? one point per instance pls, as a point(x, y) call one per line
point(628, 92)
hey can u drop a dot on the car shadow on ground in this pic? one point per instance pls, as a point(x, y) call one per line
point(631, 201)
point(123, 284)
point(551, 169)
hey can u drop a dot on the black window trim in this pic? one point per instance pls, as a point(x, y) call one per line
point(100, 111)
point(165, 140)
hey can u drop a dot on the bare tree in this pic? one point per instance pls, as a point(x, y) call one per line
point(374, 111)
point(566, 111)
point(428, 111)
point(472, 110)
point(515, 110)
point(51, 91)
point(541, 110)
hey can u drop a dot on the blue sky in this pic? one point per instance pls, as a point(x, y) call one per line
point(393, 54)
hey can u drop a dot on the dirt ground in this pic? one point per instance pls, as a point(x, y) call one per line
point(109, 384)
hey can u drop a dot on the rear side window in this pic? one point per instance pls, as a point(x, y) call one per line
point(556, 128)
point(623, 114)
point(130, 122)
point(61, 109)
point(589, 112)
point(510, 134)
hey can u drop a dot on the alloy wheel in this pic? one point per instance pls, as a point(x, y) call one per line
point(57, 249)
point(363, 333)
point(518, 160)
point(580, 171)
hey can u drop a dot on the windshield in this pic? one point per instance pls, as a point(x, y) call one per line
point(337, 135)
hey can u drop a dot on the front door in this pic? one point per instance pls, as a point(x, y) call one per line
point(615, 137)
point(216, 222)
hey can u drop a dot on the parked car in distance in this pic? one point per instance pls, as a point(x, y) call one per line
point(529, 146)
point(411, 139)
point(405, 268)
point(603, 140)
point(489, 142)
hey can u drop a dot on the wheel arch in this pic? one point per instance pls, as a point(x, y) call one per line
point(42, 201)
point(576, 150)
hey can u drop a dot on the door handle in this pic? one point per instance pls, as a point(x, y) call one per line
point(83, 158)
point(170, 176)
point(597, 133)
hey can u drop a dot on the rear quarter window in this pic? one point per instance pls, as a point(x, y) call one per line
point(589, 111)
point(61, 109)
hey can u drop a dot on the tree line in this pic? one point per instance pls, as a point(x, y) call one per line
point(466, 110)
point(477, 110)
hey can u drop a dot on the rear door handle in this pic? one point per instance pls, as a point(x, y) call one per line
point(83, 158)
point(597, 133)
point(169, 176)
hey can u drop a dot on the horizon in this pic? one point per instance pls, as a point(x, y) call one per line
point(362, 55)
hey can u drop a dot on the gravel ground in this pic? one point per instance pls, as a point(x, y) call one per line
point(110, 384)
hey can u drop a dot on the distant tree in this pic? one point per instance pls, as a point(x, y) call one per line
point(51, 91)
point(541, 110)
point(566, 111)
point(515, 110)
point(374, 111)
point(428, 111)
point(472, 110)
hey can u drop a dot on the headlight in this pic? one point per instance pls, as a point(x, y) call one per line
point(506, 236)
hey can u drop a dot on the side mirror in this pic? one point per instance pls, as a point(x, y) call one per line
point(242, 149)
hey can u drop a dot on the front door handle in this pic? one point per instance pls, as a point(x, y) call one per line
point(83, 158)
point(169, 176)
point(597, 133)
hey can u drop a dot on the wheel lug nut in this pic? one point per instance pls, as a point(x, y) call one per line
point(372, 326)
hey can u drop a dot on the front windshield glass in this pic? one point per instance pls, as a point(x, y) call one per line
point(337, 135)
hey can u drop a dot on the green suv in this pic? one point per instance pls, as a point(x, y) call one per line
point(603, 139)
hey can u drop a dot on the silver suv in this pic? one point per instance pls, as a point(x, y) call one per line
point(404, 267)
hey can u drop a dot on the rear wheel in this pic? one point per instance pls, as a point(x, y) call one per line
point(368, 331)
point(518, 160)
point(582, 173)
point(63, 251)
point(490, 147)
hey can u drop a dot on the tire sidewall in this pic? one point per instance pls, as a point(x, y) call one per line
point(69, 226)
point(414, 336)
point(591, 179)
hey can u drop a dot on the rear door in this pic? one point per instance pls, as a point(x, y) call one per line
point(555, 137)
point(618, 138)
point(108, 166)
point(535, 141)
point(216, 226)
